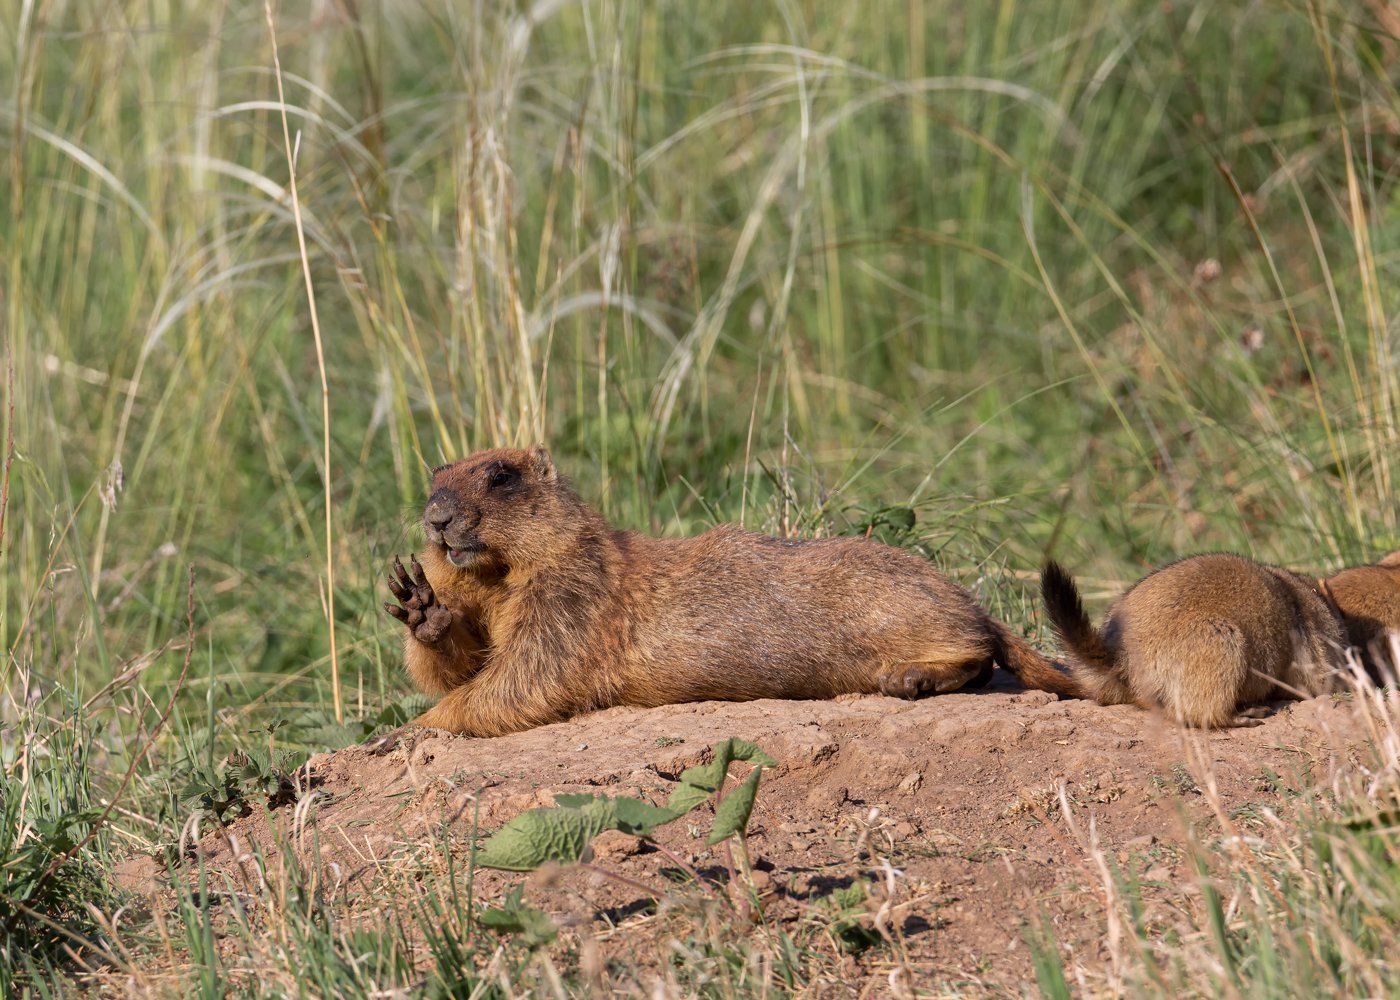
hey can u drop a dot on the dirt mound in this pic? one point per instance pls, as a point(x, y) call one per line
point(966, 787)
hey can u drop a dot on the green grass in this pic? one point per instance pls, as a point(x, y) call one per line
point(787, 264)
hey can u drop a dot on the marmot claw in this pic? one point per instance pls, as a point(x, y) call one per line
point(417, 606)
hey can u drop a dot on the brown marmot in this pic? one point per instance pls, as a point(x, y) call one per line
point(1201, 639)
point(528, 608)
point(1368, 599)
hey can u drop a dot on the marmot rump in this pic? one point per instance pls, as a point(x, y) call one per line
point(1201, 639)
point(528, 608)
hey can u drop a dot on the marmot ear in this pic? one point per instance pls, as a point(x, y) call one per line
point(1391, 560)
point(544, 465)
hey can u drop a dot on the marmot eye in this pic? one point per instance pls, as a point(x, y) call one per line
point(501, 477)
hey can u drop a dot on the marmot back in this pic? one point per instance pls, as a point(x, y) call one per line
point(1201, 639)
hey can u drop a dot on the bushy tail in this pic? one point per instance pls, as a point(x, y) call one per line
point(1071, 622)
point(1031, 668)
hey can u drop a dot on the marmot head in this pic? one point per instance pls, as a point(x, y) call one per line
point(1391, 561)
point(498, 508)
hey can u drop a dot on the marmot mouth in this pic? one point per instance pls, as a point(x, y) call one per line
point(465, 554)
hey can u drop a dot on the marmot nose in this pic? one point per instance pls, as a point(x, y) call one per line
point(437, 514)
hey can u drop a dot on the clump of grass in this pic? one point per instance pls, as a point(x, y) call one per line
point(53, 871)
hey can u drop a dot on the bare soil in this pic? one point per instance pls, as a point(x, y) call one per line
point(959, 793)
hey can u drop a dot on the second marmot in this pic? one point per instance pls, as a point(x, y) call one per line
point(1202, 639)
point(1368, 598)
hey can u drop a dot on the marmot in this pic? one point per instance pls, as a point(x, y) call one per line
point(528, 608)
point(1201, 639)
point(1368, 599)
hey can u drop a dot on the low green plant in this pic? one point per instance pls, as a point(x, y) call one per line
point(533, 927)
point(561, 833)
point(231, 786)
point(842, 910)
point(262, 771)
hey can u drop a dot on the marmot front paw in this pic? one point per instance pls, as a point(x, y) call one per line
point(418, 607)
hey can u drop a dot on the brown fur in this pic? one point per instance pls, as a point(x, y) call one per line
point(553, 612)
point(1368, 598)
point(1201, 639)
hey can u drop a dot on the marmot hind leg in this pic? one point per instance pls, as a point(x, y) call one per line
point(915, 680)
point(1255, 715)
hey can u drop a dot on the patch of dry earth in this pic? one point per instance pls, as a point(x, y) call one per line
point(965, 786)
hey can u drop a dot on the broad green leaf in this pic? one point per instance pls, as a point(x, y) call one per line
point(745, 751)
point(698, 783)
point(630, 815)
point(640, 818)
point(710, 776)
point(541, 835)
point(686, 797)
point(732, 816)
point(573, 800)
point(601, 811)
